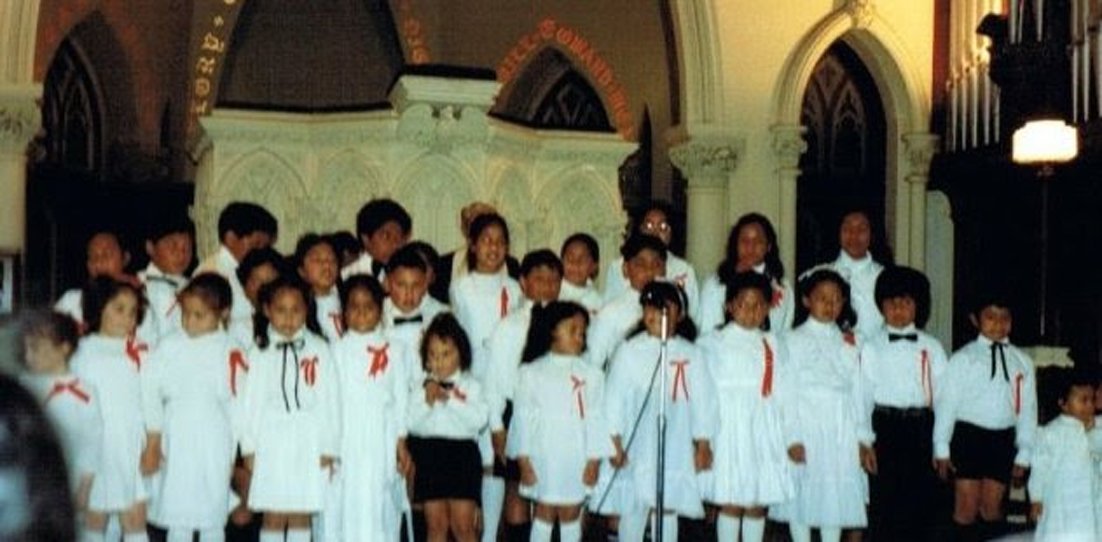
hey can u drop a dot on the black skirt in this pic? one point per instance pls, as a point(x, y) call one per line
point(445, 469)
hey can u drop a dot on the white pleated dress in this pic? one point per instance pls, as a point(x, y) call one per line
point(112, 366)
point(752, 379)
point(690, 415)
point(292, 419)
point(1065, 478)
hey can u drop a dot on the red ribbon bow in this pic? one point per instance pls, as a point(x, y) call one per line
point(849, 338)
point(134, 351)
point(767, 375)
point(309, 370)
point(72, 387)
point(504, 302)
point(458, 393)
point(927, 384)
point(679, 380)
point(1018, 378)
point(778, 296)
point(379, 360)
point(577, 389)
point(237, 361)
point(335, 317)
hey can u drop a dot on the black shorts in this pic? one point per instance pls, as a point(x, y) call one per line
point(979, 453)
point(445, 469)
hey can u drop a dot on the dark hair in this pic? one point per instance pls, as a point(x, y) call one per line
point(1059, 382)
point(244, 218)
point(638, 243)
point(636, 218)
point(544, 321)
point(345, 241)
point(361, 281)
point(258, 257)
point(55, 327)
point(213, 289)
point(407, 257)
point(173, 223)
point(773, 266)
point(658, 294)
point(992, 295)
point(540, 258)
point(445, 327)
point(847, 318)
point(99, 292)
point(585, 239)
point(426, 251)
point(900, 281)
point(478, 225)
point(747, 280)
point(377, 212)
point(307, 242)
point(32, 459)
point(288, 281)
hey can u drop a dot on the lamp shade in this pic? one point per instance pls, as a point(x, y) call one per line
point(1045, 142)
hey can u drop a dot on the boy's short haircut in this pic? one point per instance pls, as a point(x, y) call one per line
point(257, 257)
point(540, 258)
point(991, 296)
point(56, 327)
point(902, 281)
point(244, 218)
point(172, 224)
point(344, 241)
point(407, 257)
point(377, 212)
point(585, 239)
point(427, 252)
point(638, 243)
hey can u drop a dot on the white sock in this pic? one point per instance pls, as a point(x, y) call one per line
point(298, 535)
point(212, 535)
point(669, 527)
point(830, 534)
point(178, 535)
point(87, 535)
point(493, 498)
point(135, 537)
point(271, 536)
point(570, 532)
point(541, 531)
point(753, 529)
point(633, 526)
point(727, 528)
point(799, 531)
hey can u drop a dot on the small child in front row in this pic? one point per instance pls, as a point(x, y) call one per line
point(445, 420)
point(316, 261)
point(826, 417)
point(753, 380)
point(1064, 484)
point(632, 399)
point(558, 435)
point(985, 420)
point(581, 258)
point(73, 406)
point(190, 391)
point(110, 359)
point(290, 437)
point(374, 385)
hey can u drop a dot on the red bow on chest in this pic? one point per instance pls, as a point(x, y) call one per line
point(309, 370)
point(135, 349)
point(72, 387)
point(379, 360)
point(237, 363)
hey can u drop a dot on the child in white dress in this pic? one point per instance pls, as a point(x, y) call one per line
point(374, 385)
point(110, 360)
point(829, 425)
point(750, 369)
point(317, 263)
point(1064, 484)
point(581, 258)
point(632, 397)
point(291, 431)
point(558, 435)
point(190, 391)
point(446, 418)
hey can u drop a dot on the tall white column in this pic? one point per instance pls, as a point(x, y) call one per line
point(707, 163)
point(919, 148)
point(788, 145)
point(19, 120)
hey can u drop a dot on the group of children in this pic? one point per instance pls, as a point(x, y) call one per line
point(332, 394)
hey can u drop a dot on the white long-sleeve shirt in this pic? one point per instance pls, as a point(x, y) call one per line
point(900, 372)
point(861, 276)
point(713, 296)
point(611, 325)
point(461, 417)
point(506, 345)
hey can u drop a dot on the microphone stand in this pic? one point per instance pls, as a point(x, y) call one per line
point(660, 489)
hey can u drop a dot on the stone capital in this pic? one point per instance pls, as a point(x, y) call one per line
point(919, 149)
point(20, 118)
point(707, 160)
point(788, 145)
point(861, 11)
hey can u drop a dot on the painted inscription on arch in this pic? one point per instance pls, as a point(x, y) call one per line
point(551, 32)
point(413, 34)
point(213, 35)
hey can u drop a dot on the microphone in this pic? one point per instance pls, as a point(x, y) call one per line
point(665, 324)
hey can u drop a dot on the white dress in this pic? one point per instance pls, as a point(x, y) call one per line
point(480, 301)
point(753, 385)
point(713, 297)
point(828, 419)
point(72, 406)
point(1065, 479)
point(609, 327)
point(586, 296)
point(690, 416)
point(861, 276)
point(292, 419)
point(329, 315)
point(374, 392)
point(558, 424)
point(112, 367)
point(190, 390)
point(678, 271)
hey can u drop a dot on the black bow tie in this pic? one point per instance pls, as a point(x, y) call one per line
point(1000, 349)
point(377, 268)
point(296, 344)
point(415, 319)
point(446, 386)
point(892, 337)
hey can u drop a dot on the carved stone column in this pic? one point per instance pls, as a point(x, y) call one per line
point(788, 145)
point(707, 163)
point(19, 121)
point(919, 148)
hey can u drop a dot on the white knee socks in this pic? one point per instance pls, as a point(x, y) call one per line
point(271, 536)
point(727, 528)
point(212, 535)
point(570, 532)
point(753, 529)
point(669, 527)
point(91, 536)
point(799, 532)
point(541, 531)
point(830, 534)
point(493, 498)
point(298, 535)
point(179, 535)
point(135, 537)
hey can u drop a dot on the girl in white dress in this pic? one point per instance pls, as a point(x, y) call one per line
point(558, 435)
point(290, 437)
point(110, 360)
point(632, 399)
point(317, 263)
point(189, 392)
point(751, 470)
point(751, 246)
point(374, 384)
point(829, 425)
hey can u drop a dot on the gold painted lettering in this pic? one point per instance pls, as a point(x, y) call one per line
point(205, 65)
point(547, 28)
point(202, 87)
point(564, 35)
point(420, 56)
point(212, 43)
point(200, 107)
point(229, 2)
point(579, 46)
point(219, 21)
